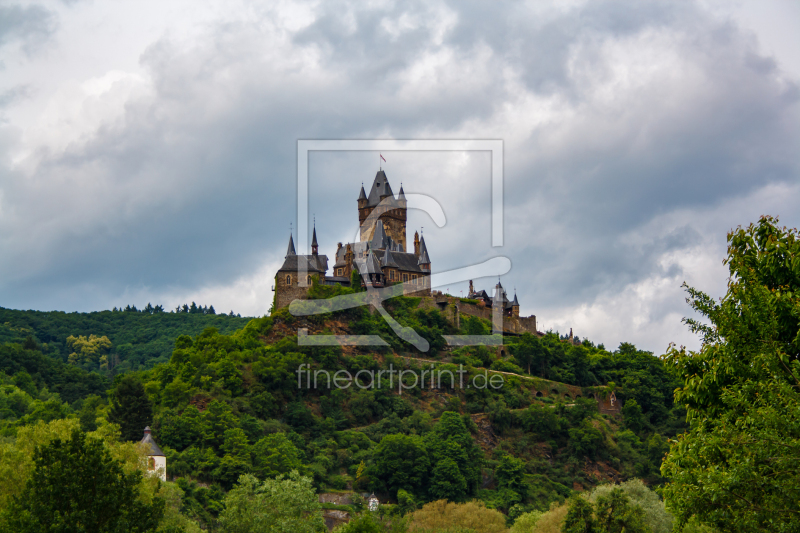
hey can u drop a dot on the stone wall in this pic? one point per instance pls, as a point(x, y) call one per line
point(287, 293)
point(334, 518)
point(453, 308)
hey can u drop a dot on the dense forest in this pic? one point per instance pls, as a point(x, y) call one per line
point(250, 443)
point(135, 339)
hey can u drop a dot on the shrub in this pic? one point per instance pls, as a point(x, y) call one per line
point(444, 515)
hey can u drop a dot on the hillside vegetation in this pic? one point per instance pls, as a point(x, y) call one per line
point(228, 404)
point(135, 339)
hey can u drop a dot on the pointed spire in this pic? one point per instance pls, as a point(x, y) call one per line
point(422, 247)
point(290, 250)
point(402, 194)
point(362, 195)
point(515, 301)
point(314, 246)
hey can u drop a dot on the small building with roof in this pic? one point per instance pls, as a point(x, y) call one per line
point(156, 460)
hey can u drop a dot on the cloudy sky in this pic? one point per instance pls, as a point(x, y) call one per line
point(148, 149)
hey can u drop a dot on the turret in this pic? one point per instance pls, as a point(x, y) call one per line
point(362, 198)
point(156, 460)
point(424, 261)
point(416, 244)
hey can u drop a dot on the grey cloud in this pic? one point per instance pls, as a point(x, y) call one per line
point(31, 26)
point(195, 185)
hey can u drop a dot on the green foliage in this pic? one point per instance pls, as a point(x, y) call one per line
point(580, 517)
point(736, 468)
point(130, 408)
point(77, 486)
point(139, 339)
point(282, 505)
point(401, 463)
point(69, 382)
point(613, 513)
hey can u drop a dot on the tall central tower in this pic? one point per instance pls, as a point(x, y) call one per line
point(381, 204)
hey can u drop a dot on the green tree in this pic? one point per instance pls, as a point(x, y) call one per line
point(130, 408)
point(275, 454)
point(510, 474)
point(633, 416)
point(450, 439)
point(401, 462)
point(88, 412)
point(615, 514)
point(77, 486)
point(580, 517)
point(736, 467)
point(447, 481)
point(282, 505)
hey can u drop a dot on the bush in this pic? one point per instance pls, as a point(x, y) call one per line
point(443, 515)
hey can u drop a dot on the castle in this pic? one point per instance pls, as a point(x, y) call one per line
point(380, 257)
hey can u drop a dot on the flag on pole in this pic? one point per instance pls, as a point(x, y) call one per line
point(384, 159)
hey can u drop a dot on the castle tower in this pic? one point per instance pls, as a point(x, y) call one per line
point(380, 204)
point(156, 460)
point(416, 244)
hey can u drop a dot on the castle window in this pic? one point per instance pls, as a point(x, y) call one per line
point(288, 280)
point(339, 272)
point(391, 275)
point(413, 278)
point(309, 280)
point(405, 277)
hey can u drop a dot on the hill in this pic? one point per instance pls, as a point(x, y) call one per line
point(139, 339)
point(243, 401)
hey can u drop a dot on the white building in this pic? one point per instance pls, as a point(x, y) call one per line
point(373, 502)
point(156, 460)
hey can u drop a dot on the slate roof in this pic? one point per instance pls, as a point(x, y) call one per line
point(314, 239)
point(380, 187)
point(362, 195)
point(373, 264)
point(153, 448)
point(379, 237)
point(313, 263)
point(403, 261)
point(515, 302)
point(290, 250)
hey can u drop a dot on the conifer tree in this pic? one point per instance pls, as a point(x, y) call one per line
point(130, 408)
point(77, 486)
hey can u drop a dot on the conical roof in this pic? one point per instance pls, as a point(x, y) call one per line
point(362, 195)
point(151, 446)
point(380, 187)
point(515, 301)
point(290, 250)
point(423, 258)
point(401, 195)
point(422, 248)
point(314, 238)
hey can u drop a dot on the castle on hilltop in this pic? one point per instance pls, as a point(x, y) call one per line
point(379, 258)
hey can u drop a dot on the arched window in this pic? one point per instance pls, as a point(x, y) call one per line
point(288, 279)
point(309, 280)
point(151, 463)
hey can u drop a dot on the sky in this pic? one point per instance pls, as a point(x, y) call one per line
point(148, 150)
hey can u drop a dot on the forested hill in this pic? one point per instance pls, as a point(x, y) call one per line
point(136, 340)
point(223, 398)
